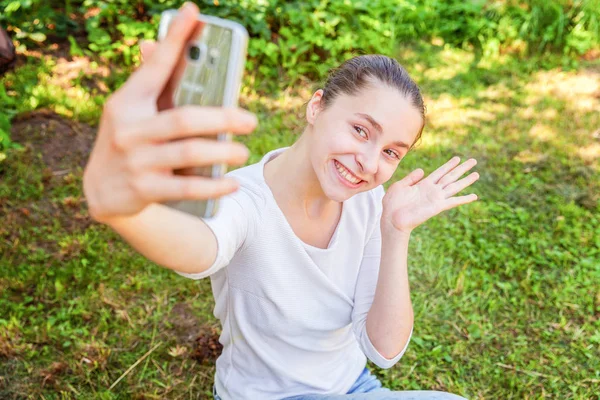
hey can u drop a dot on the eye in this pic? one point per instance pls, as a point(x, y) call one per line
point(392, 153)
point(361, 131)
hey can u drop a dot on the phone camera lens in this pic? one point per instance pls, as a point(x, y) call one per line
point(195, 53)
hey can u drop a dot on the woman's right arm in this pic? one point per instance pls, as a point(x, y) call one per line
point(129, 172)
point(170, 238)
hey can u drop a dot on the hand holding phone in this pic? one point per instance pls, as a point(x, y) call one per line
point(139, 145)
point(209, 73)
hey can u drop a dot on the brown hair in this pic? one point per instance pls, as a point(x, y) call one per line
point(354, 74)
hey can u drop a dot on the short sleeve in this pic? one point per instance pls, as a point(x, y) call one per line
point(363, 299)
point(232, 225)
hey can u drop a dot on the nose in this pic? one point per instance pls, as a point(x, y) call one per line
point(368, 163)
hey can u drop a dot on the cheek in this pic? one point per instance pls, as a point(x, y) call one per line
point(385, 173)
point(332, 133)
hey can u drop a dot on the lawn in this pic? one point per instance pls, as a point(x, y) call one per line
point(506, 290)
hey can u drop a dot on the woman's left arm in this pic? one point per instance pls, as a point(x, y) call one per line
point(407, 204)
point(390, 319)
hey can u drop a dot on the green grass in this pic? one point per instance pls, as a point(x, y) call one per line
point(505, 291)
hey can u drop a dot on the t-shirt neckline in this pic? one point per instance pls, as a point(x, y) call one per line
point(334, 238)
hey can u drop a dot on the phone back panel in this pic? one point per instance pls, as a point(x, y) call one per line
point(204, 80)
point(208, 74)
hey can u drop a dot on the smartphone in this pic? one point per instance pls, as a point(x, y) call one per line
point(209, 73)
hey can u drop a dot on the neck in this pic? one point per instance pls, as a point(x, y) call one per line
point(294, 183)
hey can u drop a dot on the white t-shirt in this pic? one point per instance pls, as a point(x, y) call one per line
point(293, 315)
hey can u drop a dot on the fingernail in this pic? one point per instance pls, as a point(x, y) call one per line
point(233, 184)
point(187, 5)
point(246, 152)
point(249, 118)
point(241, 149)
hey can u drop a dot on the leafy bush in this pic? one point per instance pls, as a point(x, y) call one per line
point(570, 27)
point(305, 38)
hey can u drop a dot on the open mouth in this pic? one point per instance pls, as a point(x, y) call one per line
point(346, 176)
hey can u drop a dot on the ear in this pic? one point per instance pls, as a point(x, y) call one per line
point(314, 107)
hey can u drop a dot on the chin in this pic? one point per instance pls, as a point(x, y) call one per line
point(336, 195)
point(337, 192)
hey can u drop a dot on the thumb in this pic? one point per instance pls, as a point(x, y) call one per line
point(154, 73)
point(412, 178)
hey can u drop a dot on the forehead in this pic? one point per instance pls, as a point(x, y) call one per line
point(396, 114)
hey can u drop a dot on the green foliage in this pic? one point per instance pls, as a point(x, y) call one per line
point(8, 109)
point(5, 116)
point(559, 26)
point(567, 27)
point(306, 38)
point(310, 38)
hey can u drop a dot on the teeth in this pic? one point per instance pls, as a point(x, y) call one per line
point(346, 174)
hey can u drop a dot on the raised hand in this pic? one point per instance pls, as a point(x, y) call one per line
point(413, 200)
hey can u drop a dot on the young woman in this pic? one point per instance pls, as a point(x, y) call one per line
point(307, 255)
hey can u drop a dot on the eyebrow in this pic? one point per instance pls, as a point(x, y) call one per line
point(378, 127)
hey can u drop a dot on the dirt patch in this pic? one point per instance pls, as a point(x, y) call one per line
point(64, 147)
point(64, 144)
point(185, 325)
point(206, 346)
point(50, 375)
point(203, 339)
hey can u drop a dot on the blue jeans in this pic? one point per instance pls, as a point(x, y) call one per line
point(368, 387)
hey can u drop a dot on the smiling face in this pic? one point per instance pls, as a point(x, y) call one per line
point(358, 140)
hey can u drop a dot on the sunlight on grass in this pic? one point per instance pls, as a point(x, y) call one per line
point(591, 152)
point(42, 86)
point(505, 290)
point(528, 156)
point(580, 91)
point(542, 132)
point(291, 99)
point(453, 62)
point(497, 92)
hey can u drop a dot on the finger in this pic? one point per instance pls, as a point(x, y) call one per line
point(436, 175)
point(459, 200)
point(188, 153)
point(167, 96)
point(153, 75)
point(456, 187)
point(147, 48)
point(159, 188)
point(412, 178)
point(186, 121)
point(457, 172)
